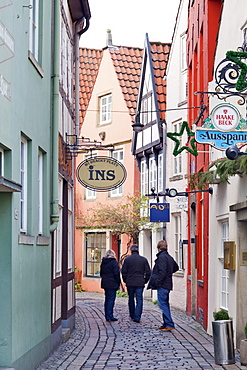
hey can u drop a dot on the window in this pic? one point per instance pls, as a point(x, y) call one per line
point(183, 53)
point(177, 168)
point(160, 172)
point(178, 241)
point(95, 251)
point(105, 108)
point(90, 194)
point(147, 109)
point(23, 166)
point(40, 193)
point(58, 233)
point(1, 162)
point(70, 229)
point(152, 174)
point(224, 273)
point(34, 28)
point(118, 155)
point(144, 178)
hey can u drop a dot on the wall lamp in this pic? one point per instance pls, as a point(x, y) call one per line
point(174, 193)
point(233, 152)
point(137, 126)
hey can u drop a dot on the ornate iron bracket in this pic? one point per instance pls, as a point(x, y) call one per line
point(76, 145)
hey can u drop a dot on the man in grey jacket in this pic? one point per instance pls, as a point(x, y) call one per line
point(161, 279)
point(136, 273)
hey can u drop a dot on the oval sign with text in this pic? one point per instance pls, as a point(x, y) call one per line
point(101, 173)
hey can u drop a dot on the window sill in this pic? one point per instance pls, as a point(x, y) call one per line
point(43, 240)
point(35, 63)
point(179, 273)
point(176, 178)
point(26, 239)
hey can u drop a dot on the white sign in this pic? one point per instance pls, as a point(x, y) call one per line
point(225, 117)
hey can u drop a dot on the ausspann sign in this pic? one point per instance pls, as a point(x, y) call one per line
point(101, 173)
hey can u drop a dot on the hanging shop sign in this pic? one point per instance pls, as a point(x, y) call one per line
point(223, 128)
point(101, 173)
point(160, 212)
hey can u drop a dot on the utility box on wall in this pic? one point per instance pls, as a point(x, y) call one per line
point(229, 255)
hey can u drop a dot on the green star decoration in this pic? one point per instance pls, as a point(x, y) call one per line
point(174, 136)
point(234, 57)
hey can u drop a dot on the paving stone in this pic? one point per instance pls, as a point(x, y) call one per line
point(99, 345)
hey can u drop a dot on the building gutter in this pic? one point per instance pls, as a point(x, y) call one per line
point(55, 117)
point(79, 30)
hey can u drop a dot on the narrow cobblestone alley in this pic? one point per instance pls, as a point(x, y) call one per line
point(99, 345)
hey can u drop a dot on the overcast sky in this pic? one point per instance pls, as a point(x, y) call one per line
point(129, 21)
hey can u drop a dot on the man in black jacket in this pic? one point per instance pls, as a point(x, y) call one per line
point(161, 279)
point(136, 273)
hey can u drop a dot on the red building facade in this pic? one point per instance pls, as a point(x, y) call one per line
point(203, 24)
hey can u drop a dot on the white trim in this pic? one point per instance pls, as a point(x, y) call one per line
point(1, 162)
point(23, 174)
point(105, 104)
point(40, 192)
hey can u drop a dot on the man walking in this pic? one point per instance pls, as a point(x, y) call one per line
point(161, 279)
point(136, 273)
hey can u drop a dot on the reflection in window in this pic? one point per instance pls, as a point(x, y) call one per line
point(95, 251)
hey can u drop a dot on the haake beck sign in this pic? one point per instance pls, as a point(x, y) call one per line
point(101, 173)
point(223, 128)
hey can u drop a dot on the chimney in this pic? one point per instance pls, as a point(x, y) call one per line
point(108, 38)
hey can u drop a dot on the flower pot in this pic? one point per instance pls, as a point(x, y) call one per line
point(223, 342)
point(243, 352)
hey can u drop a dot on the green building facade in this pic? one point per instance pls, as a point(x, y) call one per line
point(34, 233)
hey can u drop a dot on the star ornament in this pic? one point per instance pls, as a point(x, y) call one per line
point(190, 145)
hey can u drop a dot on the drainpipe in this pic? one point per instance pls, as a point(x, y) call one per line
point(78, 32)
point(55, 116)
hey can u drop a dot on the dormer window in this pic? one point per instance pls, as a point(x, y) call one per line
point(105, 109)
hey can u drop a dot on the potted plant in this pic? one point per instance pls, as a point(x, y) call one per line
point(243, 348)
point(223, 338)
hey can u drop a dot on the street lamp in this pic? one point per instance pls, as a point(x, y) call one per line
point(137, 126)
point(233, 152)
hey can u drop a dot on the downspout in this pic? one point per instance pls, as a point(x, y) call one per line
point(78, 32)
point(55, 116)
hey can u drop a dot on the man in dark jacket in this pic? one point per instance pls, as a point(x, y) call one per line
point(136, 273)
point(161, 279)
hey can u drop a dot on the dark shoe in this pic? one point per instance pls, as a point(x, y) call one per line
point(135, 320)
point(113, 319)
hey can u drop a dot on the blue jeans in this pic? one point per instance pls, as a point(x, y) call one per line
point(110, 296)
point(163, 301)
point(135, 310)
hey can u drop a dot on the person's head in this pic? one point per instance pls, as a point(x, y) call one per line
point(110, 253)
point(162, 244)
point(134, 248)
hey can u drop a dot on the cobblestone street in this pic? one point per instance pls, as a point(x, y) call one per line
point(97, 344)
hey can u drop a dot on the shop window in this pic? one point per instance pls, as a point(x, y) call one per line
point(95, 251)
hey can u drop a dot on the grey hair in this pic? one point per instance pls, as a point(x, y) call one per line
point(110, 253)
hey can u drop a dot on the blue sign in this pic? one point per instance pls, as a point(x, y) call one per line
point(160, 212)
point(219, 139)
point(223, 128)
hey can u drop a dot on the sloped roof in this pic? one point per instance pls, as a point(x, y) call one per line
point(127, 62)
point(160, 54)
point(90, 60)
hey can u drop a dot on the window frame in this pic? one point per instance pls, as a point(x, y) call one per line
point(108, 109)
point(34, 23)
point(40, 192)
point(177, 159)
point(24, 182)
point(224, 280)
point(100, 246)
point(1, 162)
point(117, 154)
